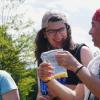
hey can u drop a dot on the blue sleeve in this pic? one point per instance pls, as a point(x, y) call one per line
point(6, 82)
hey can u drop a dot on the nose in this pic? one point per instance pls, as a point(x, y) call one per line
point(90, 32)
point(58, 34)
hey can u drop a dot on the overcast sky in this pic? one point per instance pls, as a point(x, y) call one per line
point(78, 12)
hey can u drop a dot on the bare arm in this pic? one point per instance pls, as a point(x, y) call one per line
point(12, 95)
point(86, 55)
point(92, 82)
point(66, 93)
point(62, 91)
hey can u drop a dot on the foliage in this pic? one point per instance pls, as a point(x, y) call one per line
point(9, 59)
point(17, 53)
point(12, 61)
point(26, 85)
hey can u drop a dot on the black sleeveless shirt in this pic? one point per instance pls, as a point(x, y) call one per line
point(72, 78)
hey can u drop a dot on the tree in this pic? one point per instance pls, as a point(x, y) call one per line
point(7, 8)
point(16, 53)
point(14, 63)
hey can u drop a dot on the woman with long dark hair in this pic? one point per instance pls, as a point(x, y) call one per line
point(56, 34)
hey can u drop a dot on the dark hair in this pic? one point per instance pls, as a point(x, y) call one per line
point(43, 45)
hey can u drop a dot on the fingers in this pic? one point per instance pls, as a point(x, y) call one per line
point(46, 66)
point(63, 52)
point(63, 58)
point(45, 70)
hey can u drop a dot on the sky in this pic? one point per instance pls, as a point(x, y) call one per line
point(78, 12)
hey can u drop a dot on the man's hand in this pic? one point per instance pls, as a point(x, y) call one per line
point(67, 60)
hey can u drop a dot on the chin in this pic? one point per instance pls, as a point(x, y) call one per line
point(96, 45)
point(57, 47)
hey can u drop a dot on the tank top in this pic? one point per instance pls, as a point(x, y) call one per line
point(72, 78)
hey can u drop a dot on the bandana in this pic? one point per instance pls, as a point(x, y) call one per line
point(96, 15)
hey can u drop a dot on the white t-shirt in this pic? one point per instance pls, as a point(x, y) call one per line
point(94, 68)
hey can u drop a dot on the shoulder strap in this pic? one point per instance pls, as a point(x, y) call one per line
point(89, 95)
point(78, 50)
point(92, 97)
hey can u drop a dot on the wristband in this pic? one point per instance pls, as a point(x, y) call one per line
point(78, 69)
